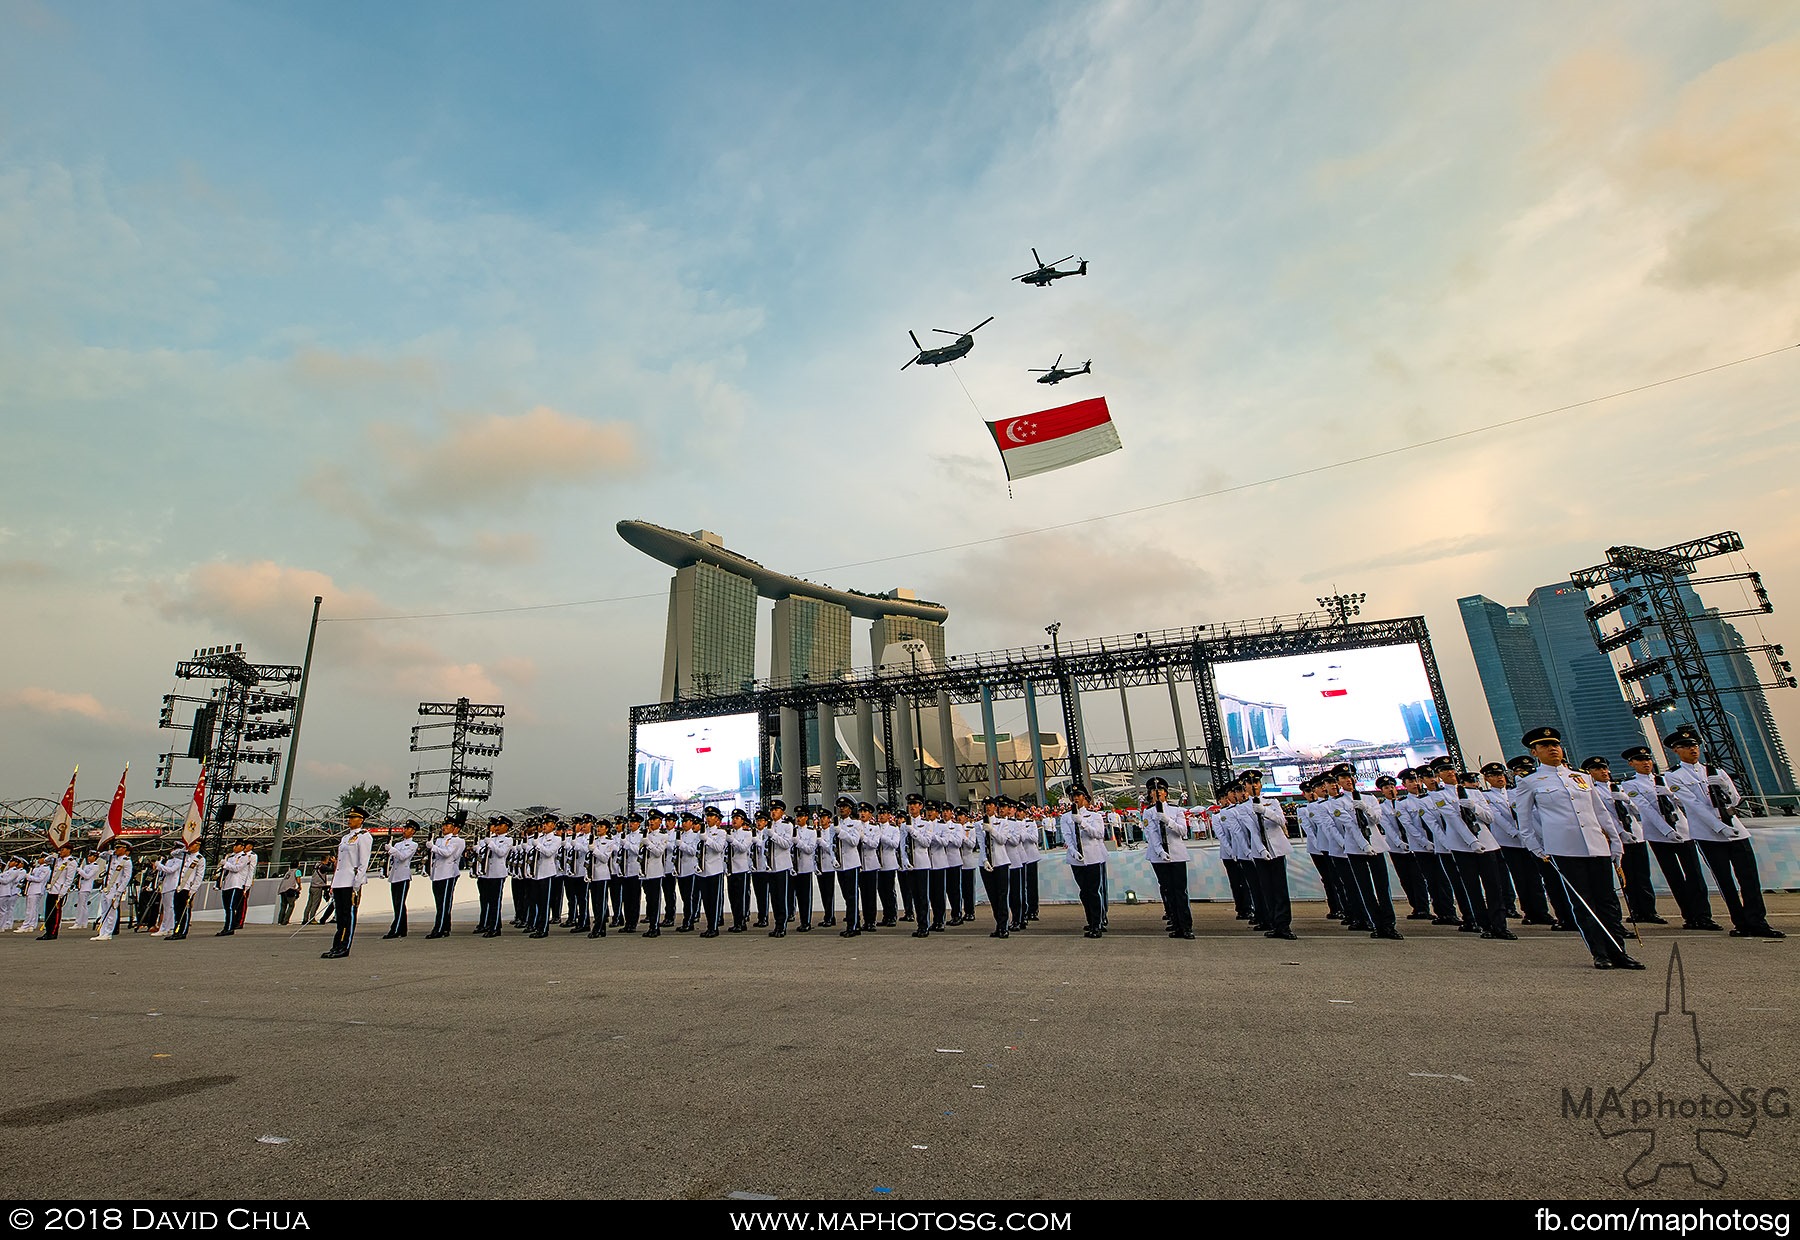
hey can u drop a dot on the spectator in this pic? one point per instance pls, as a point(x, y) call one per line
point(318, 887)
point(289, 890)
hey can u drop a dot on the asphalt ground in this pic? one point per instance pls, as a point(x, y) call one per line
point(816, 1067)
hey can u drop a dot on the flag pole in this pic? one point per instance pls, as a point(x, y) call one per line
point(287, 776)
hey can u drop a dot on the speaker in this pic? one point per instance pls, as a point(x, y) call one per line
point(227, 812)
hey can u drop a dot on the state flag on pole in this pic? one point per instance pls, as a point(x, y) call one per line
point(1036, 443)
point(115, 814)
point(64, 815)
point(196, 815)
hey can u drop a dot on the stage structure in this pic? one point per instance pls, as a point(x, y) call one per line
point(884, 701)
point(472, 735)
point(226, 731)
point(1681, 658)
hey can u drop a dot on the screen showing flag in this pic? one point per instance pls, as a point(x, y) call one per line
point(687, 764)
point(1299, 714)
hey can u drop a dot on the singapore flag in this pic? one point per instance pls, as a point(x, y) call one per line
point(1036, 443)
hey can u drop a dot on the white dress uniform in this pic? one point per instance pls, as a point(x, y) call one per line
point(235, 871)
point(715, 847)
point(490, 864)
point(1165, 848)
point(778, 847)
point(443, 865)
point(1708, 797)
point(12, 884)
point(1561, 815)
point(168, 877)
point(113, 893)
point(1083, 833)
point(845, 837)
point(87, 877)
point(355, 850)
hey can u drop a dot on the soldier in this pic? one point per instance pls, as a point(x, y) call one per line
point(445, 862)
point(400, 853)
point(1444, 813)
point(187, 887)
point(602, 857)
point(845, 837)
point(1708, 797)
point(916, 842)
point(995, 861)
point(715, 847)
point(87, 875)
point(826, 862)
point(868, 875)
point(778, 850)
point(1634, 862)
point(1083, 832)
point(806, 865)
point(35, 879)
point(12, 883)
point(759, 865)
point(971, 859)
point(236, 872)
point(1306, 811)
point(1667, 831)
point(489, 869)
point(1366, 852)
point(1406, 866)
point(738, 861)
point(1165, 847)
point(353, 854)
point(687, 870)
point(1562, 819)
point(628, 864)
point(1527, 877)
point(114, 891)
point(656, 862)
point(57, 888)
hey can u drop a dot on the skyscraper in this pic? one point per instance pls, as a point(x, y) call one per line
point(1539, 667)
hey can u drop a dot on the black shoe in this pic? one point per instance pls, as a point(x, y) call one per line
point(1702, 925)
point(390, 935)
point(1090, 934)
point(778, 934)
point(954, 921)
point(333, 954)
point(437, 934)
point(1279, 934)
point(709, 934)
point(1600, 962)
point(1504, 933)
point(490, 934)
point(597, 933)
point(1388, 934)
point(921, 933)
point(1031, 917)
point(761, 922)
point(829, 921)
point(668, 921)
point(803, 928)
point(1018, 925)
point(998, 934)
point(1418, 917)
point(906, 917)
point(736, 929)
point(1767, 932)
point(1654, 920)
point(173, 937)
point(1536, 921)
point(1181, 934)
point(1512, 913)
point(1564, 927)
point(885, 921)
point(1358, 925)
point(654, 932)
point(1626, 962)
point(684, 928)
point(538, 934)
point(1445, 921)
point(1471, 928)
point(937, 927)
point(221, 934)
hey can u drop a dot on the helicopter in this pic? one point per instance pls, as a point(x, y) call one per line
point(1056, 374)
point(1047, 272)
point(950, 352)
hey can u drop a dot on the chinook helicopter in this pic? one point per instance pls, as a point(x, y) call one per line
point(1056, 374)
point(950, 352)
point(1046, 273)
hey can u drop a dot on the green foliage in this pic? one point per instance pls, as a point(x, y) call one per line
point(372, 797)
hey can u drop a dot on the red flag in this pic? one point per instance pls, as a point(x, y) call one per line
point(1334, 692)
point(65, 814)
point(115, 814)
point(1039, 442)
point(196, 815)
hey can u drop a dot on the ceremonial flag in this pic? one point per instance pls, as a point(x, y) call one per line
point(64, 815)
point(1037, 443)
point(115, 814)
point(196, 815)
point(1334, 692)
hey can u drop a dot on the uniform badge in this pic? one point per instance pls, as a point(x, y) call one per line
point(1580, 782)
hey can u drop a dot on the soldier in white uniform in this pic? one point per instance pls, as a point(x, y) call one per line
point(937, 831)
point(1021, 831)
point(738, 860)
point(687, 870)
point(846, 840)
point(916, 842)
point(1083, 832)
point(187, 888)
point(1443, 812)
point(806, 866)
point(87, 876)
point(1165, 847)
point(57, 888)
point(445, 855)
point(1634, 863)
point(1708, 798)
point(1366, 852)
point(353, 855)
point(778, 848)
point(489, 868)
point(1562, 819)
point(655, 864)
point(1666, 829)
point(12, 884)
point(1526, 875)
point(602, 860)
point(868, 873)
point(1306, 812)
point(236, 871)
point(628, 865)
point(994, 857)
point(114, 891)
point(759, 866)
point(168, 877)
point(1406, 867)
point(398, 858)
point(825, 860)
point(715, 849)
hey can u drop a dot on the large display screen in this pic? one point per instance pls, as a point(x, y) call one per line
point(687, 764)
point(1300, 714)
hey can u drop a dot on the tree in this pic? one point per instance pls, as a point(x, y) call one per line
point(372, 797)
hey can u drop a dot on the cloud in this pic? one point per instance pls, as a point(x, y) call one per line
point(42, 701)
point(336, 372)
point(497, 459)
point(25, 572)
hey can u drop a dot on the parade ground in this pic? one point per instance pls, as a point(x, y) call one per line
point(884, 1068)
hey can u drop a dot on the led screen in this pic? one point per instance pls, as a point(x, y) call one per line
point(690, 763)
point(1299, 714)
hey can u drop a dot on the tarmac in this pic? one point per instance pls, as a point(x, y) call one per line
point(1045, 1066)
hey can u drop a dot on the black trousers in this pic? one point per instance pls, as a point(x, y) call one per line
point(397, 895)
point(443, 891)
point(596, 897)
point(575, 900)
point(1031, 891)
point(953, 891)
point(1480, 874)
point(1171, 882)
point(1681, 868)
point(615, 887)
point(1271, 876)
point(1557, 893)
point(906, 890)
point(1528, 882)
point(937, 898)
point(652, 902)
point(711, 889)
point(1242, 891)
point(671, 884)
point(888, 884)
point(968, 890)
point(1087, 880)
point(1412, 882)
point(867, 883)
point(520, 901)
point(1640, 896)
point(690, 910)
point(998, 882)
point(737, 889)
point(1596, 911)
point(1733, 866)
point(759, 883)
point(343, 901)
point(53, 907)
point(848, 884)
point(779, 881)
point(1466, 912)
point(828, 897)
point(488, 892)
point(1334, 906)
point(800, 899)
point(1369, 873)
point(553, 899)
point(233, 900)
point(1020, 906)
point(920, 883)
point(631, 899)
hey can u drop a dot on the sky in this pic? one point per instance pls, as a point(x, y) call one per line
point(407, 305)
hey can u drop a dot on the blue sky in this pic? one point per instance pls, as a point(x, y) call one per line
point(409, 304)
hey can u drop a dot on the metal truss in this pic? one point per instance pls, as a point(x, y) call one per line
point(469, 738)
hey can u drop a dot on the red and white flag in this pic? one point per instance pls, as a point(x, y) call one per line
point(1036, 443)
point(64, 816)
point(115, 814)
point(196, 816)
